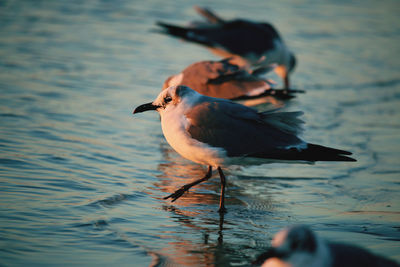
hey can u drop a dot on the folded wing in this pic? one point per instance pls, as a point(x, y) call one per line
point(243, 132)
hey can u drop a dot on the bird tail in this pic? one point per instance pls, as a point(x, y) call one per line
point(187, 34)
point(209, 15)
point(315, 152)
point(173, 30)
point(282, 94)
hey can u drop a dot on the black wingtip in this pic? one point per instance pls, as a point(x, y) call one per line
point(173, 30)
point(323, 153)
point(282, 94)
point(161, 24)
point(285, 93)
point(167, 26)
point(344, 158)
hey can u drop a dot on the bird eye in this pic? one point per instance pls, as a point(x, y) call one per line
point(167, 99)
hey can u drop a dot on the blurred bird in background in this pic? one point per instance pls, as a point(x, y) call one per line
point(250, 44)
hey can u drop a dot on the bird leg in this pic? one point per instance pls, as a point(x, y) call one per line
point(286, 81)
point(282, 72)
point(222, 197)
point(178, 193)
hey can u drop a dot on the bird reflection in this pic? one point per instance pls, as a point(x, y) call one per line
point(185, 252)
point(195, 213)
point(187, 221)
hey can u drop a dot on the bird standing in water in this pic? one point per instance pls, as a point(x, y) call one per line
point(218, 132)
point(224, 79)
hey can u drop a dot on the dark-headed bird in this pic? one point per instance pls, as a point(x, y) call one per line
point(218, 132)
point(252, 44)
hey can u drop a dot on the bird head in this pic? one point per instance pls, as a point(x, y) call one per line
point(296, 242)
point(169, 97)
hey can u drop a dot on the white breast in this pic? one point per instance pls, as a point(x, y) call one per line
point(174, 124)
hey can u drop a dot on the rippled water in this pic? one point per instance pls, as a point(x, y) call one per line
point(82, 180)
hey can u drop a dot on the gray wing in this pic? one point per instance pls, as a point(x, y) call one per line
point(242, 131)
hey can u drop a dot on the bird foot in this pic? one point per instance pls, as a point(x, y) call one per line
point(178, 193)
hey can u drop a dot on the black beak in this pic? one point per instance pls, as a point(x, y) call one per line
point(145, 107)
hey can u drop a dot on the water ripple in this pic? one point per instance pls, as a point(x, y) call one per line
point(82, 180)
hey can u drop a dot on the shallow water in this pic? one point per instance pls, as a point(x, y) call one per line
point(82, 180)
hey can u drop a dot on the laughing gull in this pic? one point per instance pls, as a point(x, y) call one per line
point(219, 132)
point(223, 79)
point(251, 43)
point(299, 246)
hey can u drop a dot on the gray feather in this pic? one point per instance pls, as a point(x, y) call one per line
point(285, 121)
point(240, 130)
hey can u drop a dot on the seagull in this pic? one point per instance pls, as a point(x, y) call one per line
point(299, 246)
point(251, 43)
point(224, 79)
point(218, 132)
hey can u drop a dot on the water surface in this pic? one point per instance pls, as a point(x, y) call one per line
point(82, 180)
